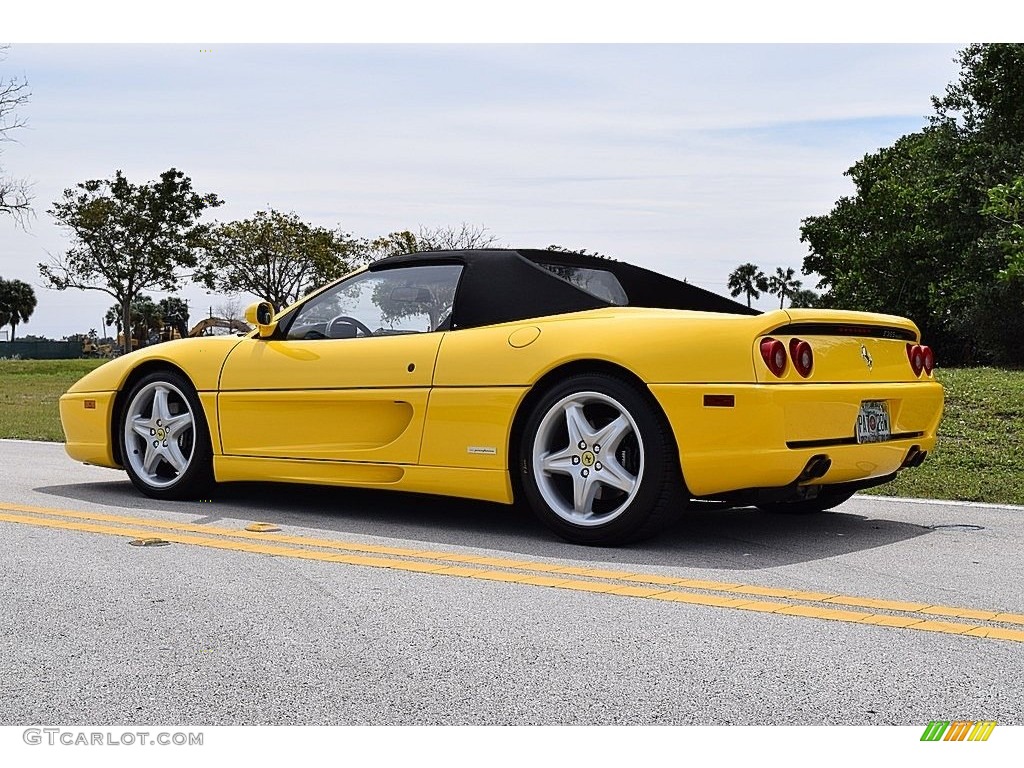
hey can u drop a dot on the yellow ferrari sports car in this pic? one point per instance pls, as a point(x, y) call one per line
point(604, 395)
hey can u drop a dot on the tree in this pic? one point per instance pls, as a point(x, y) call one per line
point(749, 279)
point(464, 236)
point(590, 280)
point(148, 315)
point(127, 237)
point(17, 302)
point(15, 200)
point(230, 309)
point(985, 103)
point(435, 300)
point(996, 332)
point(394, 244)
point(1006, 205)
point(174, 311)
point(145, 316)
point(782, 284)
point(803, 298)
point(580, 251)
point(276, 257)
point(896, 245)
point(931, 223)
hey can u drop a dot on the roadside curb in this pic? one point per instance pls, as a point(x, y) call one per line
point(940, 502)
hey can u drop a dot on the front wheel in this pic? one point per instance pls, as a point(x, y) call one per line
point(165, 442)
point(598, 463)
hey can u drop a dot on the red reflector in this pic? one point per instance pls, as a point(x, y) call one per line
point(916, 356)
point(929, 359)
point(90, 405)
point(803, 357)
point(719, 401)
point(774, 354)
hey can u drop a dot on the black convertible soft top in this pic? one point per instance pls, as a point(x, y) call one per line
point(499, 285)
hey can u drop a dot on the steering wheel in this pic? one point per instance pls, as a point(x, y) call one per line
point(348, 320)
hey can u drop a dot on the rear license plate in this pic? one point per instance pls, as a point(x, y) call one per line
point(873, 425)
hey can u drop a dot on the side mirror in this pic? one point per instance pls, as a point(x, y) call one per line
point(261, 314)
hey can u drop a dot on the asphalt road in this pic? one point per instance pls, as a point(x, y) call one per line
point(378, 608)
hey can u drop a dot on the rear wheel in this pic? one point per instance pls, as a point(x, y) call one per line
point(823, 501)
point(598, 463)
point(165, 443)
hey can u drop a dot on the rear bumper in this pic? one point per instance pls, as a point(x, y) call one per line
point(767, 438)
point(86, 419)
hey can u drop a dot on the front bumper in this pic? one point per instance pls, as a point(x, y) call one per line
point(767, 437)
point(86, 419)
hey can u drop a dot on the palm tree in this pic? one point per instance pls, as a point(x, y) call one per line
point(782, 284)
point(145, 315)
point(17, 302)
point(748, 279)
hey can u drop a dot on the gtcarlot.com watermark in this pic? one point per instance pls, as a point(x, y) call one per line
point(72, 737)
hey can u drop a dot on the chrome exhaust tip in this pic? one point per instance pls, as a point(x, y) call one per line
point(914, 457)
point(816, 467)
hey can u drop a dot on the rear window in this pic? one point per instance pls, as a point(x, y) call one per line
point(597, 282)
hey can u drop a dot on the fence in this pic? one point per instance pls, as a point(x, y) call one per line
point(41, 350)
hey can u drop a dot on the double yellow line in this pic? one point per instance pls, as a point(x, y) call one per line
point(920, 616)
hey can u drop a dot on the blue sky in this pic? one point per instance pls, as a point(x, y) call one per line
point(688, 159)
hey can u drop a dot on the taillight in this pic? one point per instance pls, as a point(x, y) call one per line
point(803, 357)
point(928, 359)
point(774, 353)
point(916, 354)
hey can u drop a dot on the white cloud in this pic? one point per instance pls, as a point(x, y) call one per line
point(688, 159)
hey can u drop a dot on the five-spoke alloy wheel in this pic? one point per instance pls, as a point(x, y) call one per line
point(165, 443)
point(597, 461)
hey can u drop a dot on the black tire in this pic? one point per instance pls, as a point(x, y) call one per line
point(823, 501)
point(635, 492)
point(182, 466)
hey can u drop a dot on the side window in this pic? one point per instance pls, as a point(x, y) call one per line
point(393, 301)
point(597, 282)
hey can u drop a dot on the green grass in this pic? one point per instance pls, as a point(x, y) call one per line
point(980, 455)
point(29, 390)
point(980, 452)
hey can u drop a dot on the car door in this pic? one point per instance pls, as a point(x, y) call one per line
point(347, 376)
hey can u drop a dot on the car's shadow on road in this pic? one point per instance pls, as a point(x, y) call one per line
point(706, 536)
